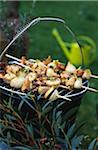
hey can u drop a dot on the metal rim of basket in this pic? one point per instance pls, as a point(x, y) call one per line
point(33, 23)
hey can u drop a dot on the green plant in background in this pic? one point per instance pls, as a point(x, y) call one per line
point(72, 50)
point(41, 132)
point(84, 25)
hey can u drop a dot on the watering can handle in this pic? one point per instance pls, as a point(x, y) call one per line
point(36, 21)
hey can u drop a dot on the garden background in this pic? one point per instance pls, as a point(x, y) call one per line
point(82, 17)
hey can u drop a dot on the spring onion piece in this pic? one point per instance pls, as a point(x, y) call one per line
point(45, 77)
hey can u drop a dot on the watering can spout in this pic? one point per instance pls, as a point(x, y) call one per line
point(61, 43)
point(72, 50)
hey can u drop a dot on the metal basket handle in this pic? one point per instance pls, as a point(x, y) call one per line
point(36, 21)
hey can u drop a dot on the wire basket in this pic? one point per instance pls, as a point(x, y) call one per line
point(19, 98)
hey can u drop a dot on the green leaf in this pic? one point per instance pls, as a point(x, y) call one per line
point(66, 139)
point(70, 113)
point(58, 119)
point(10, 101)
point(54, 116)
point(62, 142)
point(30, 130)
point(57, 123)
point(76, 130)
point(92, 145)
point(46, 105)
point(10, 117)
point(27, 102)
point(8, 136)
point(71, 130)
point(60, 104)
point(2, 139)
point(20, 105)
point(76, 141)
point(58, 114)
point(21, 148)
point(47, 110)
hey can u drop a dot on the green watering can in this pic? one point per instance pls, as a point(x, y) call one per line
point(72, 50)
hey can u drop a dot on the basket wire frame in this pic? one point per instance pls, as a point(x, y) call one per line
point(33, 23)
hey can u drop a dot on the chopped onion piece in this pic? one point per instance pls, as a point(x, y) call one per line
point(70, 68)
point(86, 74)
point(17, 82)
point(78, 83)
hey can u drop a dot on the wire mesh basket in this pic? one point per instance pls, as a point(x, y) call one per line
point(23, 101)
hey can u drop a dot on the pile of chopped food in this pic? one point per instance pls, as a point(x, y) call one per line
point(44, 76)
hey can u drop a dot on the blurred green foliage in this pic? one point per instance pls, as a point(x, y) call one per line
point(82, 17)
